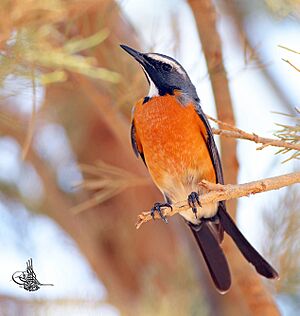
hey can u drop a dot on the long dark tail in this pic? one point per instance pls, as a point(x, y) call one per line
point(260, 264)
point(213, 255)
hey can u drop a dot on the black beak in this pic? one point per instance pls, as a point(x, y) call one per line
point(135, 54)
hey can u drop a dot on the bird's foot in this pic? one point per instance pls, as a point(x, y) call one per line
point(193, 200)
point(157, 208)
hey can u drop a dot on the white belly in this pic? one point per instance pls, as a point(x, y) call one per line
point(207, 211)
point(177, 191)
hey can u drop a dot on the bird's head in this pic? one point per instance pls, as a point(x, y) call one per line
point(164, 74)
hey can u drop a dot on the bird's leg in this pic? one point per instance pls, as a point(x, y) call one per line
point(193, 199)
point(157, 208)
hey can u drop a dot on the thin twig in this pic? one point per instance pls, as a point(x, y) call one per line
point(257, 139)
point(287, 61)
point(235, 132)
point(289, 49)
point(219, 192)
point(31, 127)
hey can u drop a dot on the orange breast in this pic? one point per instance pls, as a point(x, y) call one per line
point(172, 138)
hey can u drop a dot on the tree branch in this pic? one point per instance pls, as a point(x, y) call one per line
point(287, 61)
point(206, 20)
point(232, 131)
point(249, 297)
point(219, 192)
point(257, 139)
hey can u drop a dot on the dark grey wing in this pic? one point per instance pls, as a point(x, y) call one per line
point(215, 158)
point(211, 145)
point(134, 143)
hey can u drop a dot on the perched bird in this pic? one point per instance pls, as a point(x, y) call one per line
point(171, 134)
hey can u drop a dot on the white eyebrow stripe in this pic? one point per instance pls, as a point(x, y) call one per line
point(167, 61)
point(161, 58)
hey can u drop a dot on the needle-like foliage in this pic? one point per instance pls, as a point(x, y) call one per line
point(32, 36)
point(290, 134)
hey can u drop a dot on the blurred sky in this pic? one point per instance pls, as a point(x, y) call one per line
point(24, 235)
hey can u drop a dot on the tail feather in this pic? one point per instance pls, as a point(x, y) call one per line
point(213, 256)
point(260, 264)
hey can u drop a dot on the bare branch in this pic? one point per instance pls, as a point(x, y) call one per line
point(206, 19)
point(257, 139)
point(289, 49)
point(287, 61)
point(30, 131)
point(235, 132)
point(219, 192)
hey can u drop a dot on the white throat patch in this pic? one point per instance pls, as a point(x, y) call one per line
point(153, 91)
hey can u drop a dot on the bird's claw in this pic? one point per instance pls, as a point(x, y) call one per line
point(193, 199)
point(157, 208)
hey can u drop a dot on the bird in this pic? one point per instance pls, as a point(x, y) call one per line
point(173, 137)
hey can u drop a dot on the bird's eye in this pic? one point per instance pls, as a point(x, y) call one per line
point(166, 67)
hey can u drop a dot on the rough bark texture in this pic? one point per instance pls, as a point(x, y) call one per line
point(224, 192)
point(248, 290)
